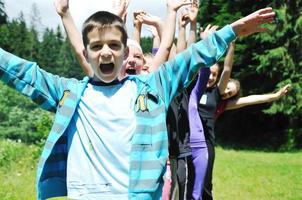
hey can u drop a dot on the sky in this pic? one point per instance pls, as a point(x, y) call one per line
point(80, 10)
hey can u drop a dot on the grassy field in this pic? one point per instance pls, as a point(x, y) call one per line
point(254, 175)
point(242, 175)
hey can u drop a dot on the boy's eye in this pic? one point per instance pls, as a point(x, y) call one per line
point(115, 46)
point(96, 47)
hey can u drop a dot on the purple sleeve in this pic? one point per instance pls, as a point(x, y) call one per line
point(196, 128)
point(201, 83)
point(154, 51)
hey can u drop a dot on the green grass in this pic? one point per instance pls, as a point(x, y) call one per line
point(17, 170)
point(238, 175)
point(257, 175)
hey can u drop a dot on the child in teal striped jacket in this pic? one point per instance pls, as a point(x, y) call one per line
point(109, 137)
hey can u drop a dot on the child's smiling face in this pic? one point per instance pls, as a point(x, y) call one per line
point(230, 91)
point(105, 53)
point(134, 63)
point(213, 76)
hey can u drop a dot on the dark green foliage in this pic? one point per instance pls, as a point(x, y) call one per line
point(20, 119)
point(263, 62)
point(146, 44)
point(3, 16)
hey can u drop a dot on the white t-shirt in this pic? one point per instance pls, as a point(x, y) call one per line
point(99, 142)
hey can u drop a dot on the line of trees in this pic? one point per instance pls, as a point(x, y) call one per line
point(20, 119)
point(262, 63)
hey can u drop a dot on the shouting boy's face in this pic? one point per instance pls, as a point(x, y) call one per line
point(105, 53)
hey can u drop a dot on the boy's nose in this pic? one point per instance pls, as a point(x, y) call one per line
point(105, 51)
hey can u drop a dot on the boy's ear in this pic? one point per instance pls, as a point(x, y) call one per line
point(126, 53)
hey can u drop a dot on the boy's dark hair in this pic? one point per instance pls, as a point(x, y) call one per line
point(101, 20)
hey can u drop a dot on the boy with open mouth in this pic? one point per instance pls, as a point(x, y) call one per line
point(109, 137)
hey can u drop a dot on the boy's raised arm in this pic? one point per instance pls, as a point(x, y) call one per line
point(252, 23)
point(74, 36)
point(30, 80)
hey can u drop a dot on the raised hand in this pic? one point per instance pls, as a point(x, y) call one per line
point(153, 31)
point(74, 36)
point(193, 11)
point(284, 90)
point(62, 6)
point(137, 18)
point(252, 23)
point(148, 19)
point(121, 9)
point(209, 29)
point(184, 18)
point(174, 6)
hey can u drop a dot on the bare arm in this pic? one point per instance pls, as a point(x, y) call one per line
point(155, 37)
point(74, 36)
point(154, 21)
point(257, 99)
point(193, 23)
point(137, 24)
point(163, 52)
point(181, 40)
point(227, 68)
point(252, 23)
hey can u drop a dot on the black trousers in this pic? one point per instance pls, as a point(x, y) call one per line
point(182, 170)
point(207, 190)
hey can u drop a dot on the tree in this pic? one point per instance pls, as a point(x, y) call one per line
point(50, 54)
point(35, 19)
point(146, 43)
point(261, 62)
point(3, 16)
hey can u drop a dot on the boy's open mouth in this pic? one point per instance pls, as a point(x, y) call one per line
point(131, 71)
point(107, 68)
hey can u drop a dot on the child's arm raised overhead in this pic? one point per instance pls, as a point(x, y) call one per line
point(182, 23)
point(74, 36)
point(227, 68)
point(193, 12)
point(257, 99)
point(156, 38)
point(137, 25)
point(154, 21)
point(26, 77)
point(163, 52)
point(244, 27)
point(228, 62)
point(252, 23)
